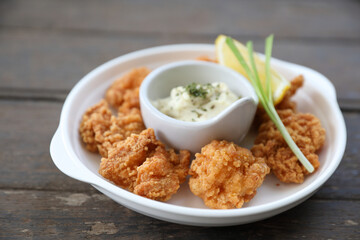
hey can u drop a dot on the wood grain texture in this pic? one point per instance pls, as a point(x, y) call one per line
point(26, 129)
point(348, 172)
point(37, 60)
point(64, 215)
point(312, 19)
point(46, 46)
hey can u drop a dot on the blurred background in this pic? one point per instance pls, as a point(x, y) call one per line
point(47, 46)
point(54, 43)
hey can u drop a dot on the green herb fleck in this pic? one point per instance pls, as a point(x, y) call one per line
point(197, 113)
point(196, 90)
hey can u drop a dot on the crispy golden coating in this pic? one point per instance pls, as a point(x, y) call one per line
point(124, 92)
point(160, 176)
point(225, 175)
point(305, 130)
point(100, 129)
point(123, 160)
point(95, 121)
point(141, 164)
point(132, 157)
point(121, 127)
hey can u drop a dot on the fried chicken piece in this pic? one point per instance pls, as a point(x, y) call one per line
point(225, 175)
point(125, 90)
point(160, 176)
point(141, 164)
point(100, 129)
point(95, 121)
point(308, 134)
point(121, 127)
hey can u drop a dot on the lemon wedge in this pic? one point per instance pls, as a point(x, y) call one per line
point(279, 84)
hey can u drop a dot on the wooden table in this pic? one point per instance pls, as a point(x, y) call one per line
point(47, 46)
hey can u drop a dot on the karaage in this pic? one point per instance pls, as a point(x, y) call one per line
point(124, 92)
point(306, 131)
point(95, 122)
point(121, 127)
point(141, 164)
point(100, 129)
point(225, 175)
point(160, 176)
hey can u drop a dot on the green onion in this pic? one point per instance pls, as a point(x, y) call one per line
point(265, 95)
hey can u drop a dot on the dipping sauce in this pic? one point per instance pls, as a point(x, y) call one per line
point(196, 102)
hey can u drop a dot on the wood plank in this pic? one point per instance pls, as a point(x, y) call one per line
point(33, 94)
point(63, 215)
point(309, 19)
point(348, 171)
point(55, 61)
point(349, 104)
point(26, 129)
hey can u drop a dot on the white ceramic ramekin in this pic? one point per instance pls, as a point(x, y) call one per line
point(232, 124)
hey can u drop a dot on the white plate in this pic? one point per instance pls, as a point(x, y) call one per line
point(317, 97)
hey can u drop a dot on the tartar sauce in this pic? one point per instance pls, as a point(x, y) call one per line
point(196, 102)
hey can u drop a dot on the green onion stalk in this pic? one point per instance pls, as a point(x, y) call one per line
point(265, 95)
